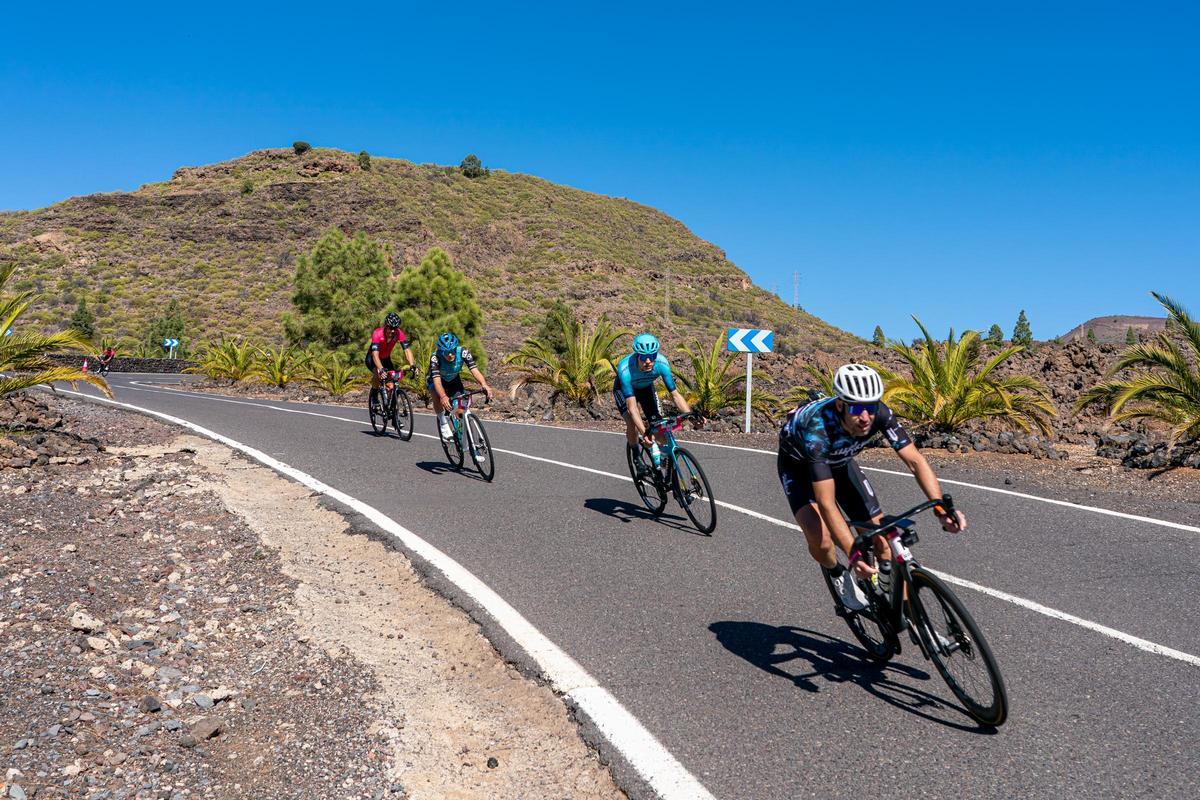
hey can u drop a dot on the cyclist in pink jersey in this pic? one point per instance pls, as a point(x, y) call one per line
point(383, 342)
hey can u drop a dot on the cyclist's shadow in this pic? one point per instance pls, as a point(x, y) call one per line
point(768, 647)
point(625, 511)
point(443, 468)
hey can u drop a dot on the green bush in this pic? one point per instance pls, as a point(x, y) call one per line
point(247, 186)
point(83, 320)
point(301, 147)
point(364, 160)
point(473, 168)
point(435, 298)
point(1022, 335)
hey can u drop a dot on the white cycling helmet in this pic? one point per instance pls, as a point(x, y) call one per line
point(857, 383)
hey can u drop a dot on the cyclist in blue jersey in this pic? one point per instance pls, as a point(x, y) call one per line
point(444, 379)
point(633, 389)
point(817, 445)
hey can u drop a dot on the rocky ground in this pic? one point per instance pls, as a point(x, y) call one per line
point(178, 622)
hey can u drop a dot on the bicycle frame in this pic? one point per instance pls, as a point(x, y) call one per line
point(666, 427)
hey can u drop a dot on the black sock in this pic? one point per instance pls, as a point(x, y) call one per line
point(837, 571)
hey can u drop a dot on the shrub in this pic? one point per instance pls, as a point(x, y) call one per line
point(995, 337)
point(1131, 336)
point(580, 371)
point(341, 287)
point(364, 160)
point(434, 298)
point(949, 387)
point(228, 359)
point(877, 339)
point(1091, 335)
point(83, 320)
point(558, 327)
point(1168, 388)
point(336, 373)
point(473, 168)
point(168, 325)
point(279, 366)
point(1022, 334)
point(301, 147)
point(247, 186)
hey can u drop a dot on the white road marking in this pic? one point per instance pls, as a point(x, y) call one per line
point(1113, 633)
point(653, 763)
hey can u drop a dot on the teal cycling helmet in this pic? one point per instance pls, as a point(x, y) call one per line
point(447, 342)
point(645, 345)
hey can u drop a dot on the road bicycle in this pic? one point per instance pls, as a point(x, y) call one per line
point(937, 621)
point(390, 402)
point(468, 427)
point(677, 471)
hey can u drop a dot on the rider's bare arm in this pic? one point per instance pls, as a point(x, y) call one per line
point(929, 484)
point(482, 381)
point(680, 401)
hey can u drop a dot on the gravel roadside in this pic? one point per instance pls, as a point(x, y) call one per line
point(178, 622)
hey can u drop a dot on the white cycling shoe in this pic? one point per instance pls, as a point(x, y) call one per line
point(847, 588)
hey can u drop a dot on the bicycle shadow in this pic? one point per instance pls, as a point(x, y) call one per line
point(625, 511)
point(443, 467)
point(390, 433)
point(769, 647)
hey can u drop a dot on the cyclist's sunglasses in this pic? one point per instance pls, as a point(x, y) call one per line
point(644, 358)
point(858, 408)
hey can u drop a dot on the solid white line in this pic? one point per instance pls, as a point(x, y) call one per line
point(1143, 644)
point(653, 763)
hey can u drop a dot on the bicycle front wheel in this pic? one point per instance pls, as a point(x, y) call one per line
point(481, 448)
point(642, 472)
point(452, 446)
point(402, 415)
point(375, 409)
point(868, 626)
point(693, 492)
point(957, 648)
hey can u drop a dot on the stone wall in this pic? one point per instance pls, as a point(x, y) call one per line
point(120, 364)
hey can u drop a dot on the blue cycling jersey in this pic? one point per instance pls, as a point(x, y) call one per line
point(448, 370)
point(814, 434)
point(630, 378)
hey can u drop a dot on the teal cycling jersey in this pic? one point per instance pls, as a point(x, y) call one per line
point(448, 370)
point(629, 378)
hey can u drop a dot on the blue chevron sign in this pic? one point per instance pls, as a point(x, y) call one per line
point(748, 340)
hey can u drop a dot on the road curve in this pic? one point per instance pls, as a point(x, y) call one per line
point(725, 647)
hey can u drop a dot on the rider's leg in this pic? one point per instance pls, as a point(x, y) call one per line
point(820, 543)
point(856, 495)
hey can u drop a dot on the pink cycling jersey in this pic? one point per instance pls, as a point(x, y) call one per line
point(380, 342)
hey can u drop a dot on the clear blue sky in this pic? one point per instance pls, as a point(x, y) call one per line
point(950, 160)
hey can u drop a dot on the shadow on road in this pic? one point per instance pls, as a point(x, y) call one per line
point(771, 647)
point(442, 467)
point(625, 511)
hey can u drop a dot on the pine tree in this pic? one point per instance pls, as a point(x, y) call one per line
point(995, 337)
point(1022, 334)
point(364, 159)
point(877, 338)
point(1131, 336)
point(435, 298)
point(1091, 335)
point(559, 319)
point(472, 167)
point(83, 320)
point(168, 325)
point(341, 289)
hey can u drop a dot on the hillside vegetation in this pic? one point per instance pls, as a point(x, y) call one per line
point(223, 240)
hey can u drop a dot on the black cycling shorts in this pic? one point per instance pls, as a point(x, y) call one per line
point(451, 387)
point(647, 400)
point(854, 492)
point(387, 362)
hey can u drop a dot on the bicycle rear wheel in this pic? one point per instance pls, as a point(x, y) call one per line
point(869, 626)
point(402, 416)
point(452, 446)
point(957, 648)
point(693, 492)
point(481, 448)
point(375, 409)
point(642, 472)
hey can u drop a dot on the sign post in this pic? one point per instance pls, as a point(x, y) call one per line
point(749, 341)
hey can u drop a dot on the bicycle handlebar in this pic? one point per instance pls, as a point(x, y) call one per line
point(868, 530)
point(662, 424)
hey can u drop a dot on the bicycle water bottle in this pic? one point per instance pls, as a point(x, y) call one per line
point(885, 576)
point(655, 454)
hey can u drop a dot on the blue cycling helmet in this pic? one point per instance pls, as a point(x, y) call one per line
point(447, 342)
point(645, 345)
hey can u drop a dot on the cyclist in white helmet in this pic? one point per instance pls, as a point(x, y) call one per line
point(817, 446)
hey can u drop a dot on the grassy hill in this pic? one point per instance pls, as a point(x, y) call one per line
point(223, 239)
point(1113, 330)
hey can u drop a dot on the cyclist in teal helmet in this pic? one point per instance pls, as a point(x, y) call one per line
point(633, 389)
point(444, 379)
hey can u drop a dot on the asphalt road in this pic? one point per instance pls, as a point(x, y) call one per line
point(726, 648)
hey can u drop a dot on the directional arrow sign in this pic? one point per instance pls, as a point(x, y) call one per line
point(749, 340)
point(170, 343)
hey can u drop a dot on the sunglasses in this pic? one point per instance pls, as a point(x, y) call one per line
point(859, 408)
point(642, 359)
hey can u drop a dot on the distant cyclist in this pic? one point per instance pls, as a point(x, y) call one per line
point(633, 388)
point(379, 352)
point(445, 379)
point(817, 445)
point(106, 359)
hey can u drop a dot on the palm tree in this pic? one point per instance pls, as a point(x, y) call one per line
point(949, 386)
point(715, 384)
point(335, 372)
point(24, 356)
point(279, 366)
point(579, 371)
point(229, 359)
point(1169, 388)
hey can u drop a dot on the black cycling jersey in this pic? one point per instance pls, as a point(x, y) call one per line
point(814, 435)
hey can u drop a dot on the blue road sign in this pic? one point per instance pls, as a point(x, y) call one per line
point(749, 340)
point(170, 343)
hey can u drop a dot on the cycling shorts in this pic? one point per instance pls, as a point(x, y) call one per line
point(452, 386)
point(647, 400)
point(385, 360)
point(854, 492)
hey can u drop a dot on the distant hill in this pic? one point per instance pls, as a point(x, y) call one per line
point(1113, 330)
point(224, 239)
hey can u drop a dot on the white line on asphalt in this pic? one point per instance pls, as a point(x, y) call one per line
point(1142, 644)
point(644, 752)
